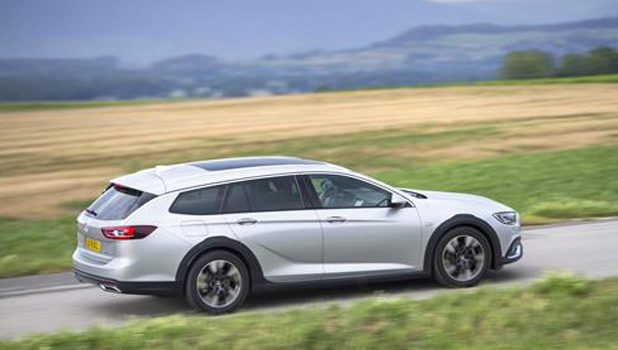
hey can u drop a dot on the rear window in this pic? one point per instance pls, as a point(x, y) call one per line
point(116, 203)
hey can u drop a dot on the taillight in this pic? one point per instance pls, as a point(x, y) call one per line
point(127, 232)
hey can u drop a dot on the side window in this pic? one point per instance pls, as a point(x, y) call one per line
point(335, 191)
point(236, 199)
point(277, 193)
point(204, 201)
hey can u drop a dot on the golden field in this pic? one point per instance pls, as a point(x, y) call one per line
point(51, 157)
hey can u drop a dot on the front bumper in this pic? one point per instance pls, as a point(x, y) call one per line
point(111, 285)
point(514, 253)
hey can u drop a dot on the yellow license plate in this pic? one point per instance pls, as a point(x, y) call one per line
point(93, 245)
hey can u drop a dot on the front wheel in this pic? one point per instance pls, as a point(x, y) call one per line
point(462, 258)
point(218, 282)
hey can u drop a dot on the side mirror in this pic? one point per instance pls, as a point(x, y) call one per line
point(397, 201)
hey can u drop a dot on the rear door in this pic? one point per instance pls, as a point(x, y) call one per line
point(362, 234)
point(270, 216)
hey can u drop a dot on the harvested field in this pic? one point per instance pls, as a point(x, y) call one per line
point(51, 157)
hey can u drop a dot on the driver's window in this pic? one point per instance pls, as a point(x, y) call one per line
point(336, 191)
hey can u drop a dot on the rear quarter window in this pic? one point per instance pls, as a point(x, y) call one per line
point(204, 201)
point(117, 202)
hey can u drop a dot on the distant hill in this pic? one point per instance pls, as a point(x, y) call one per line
point(422, 54)
point(144, 31)
point(474, 50)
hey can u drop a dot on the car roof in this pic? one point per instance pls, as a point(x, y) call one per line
point(250, 162)
point(169, 178)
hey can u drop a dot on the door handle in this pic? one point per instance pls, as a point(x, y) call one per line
point(334, 219)
point(246, 221)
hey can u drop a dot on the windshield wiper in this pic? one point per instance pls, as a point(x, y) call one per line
point(91, 212)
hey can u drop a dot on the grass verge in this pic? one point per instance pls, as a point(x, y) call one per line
point(36, 246)
point(561, 312)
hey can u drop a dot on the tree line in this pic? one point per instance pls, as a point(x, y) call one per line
point(530, 64)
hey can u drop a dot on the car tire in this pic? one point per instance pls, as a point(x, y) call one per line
point(218, 282)
point(462, 258)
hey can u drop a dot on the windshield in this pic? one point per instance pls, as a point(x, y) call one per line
point(117, 202)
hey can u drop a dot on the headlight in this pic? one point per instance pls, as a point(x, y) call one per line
point(506, 217)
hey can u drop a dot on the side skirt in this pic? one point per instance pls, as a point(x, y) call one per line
point(330, 281)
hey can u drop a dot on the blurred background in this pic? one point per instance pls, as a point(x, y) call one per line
point(91, 50)
point(516, 100)
point(511, 99)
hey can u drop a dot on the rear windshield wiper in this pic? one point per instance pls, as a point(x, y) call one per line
point(91, 212)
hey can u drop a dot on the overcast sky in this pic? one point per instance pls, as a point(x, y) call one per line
point(146, 30)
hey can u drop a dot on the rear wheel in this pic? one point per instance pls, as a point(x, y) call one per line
point(218, 282)
point(462, 258)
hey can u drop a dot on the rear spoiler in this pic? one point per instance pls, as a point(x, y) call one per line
point(146, 181)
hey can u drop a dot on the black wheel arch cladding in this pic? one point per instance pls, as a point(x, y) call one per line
point(463, 220)
point(220, 243)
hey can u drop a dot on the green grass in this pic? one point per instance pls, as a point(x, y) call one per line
point(609, 78)
point(594, 79)
point(559, 313)
point(60, 105)
point(543, 186)
point(36, 246)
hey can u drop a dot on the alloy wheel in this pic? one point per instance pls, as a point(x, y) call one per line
point(219, 283)
point(463, 258)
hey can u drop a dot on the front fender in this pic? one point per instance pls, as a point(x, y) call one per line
point(463, 220)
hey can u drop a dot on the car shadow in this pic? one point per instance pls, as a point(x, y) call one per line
point(415, 287)
point(283, 298)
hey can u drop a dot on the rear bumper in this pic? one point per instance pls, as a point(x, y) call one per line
point(111, 285)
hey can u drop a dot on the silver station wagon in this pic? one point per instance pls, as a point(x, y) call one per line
point(217, 230)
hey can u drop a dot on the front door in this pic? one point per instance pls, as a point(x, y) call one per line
point(362, 233)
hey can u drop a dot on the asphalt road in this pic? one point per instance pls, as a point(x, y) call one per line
point(47, 303)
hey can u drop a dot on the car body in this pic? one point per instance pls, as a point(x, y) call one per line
point(272, 221)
